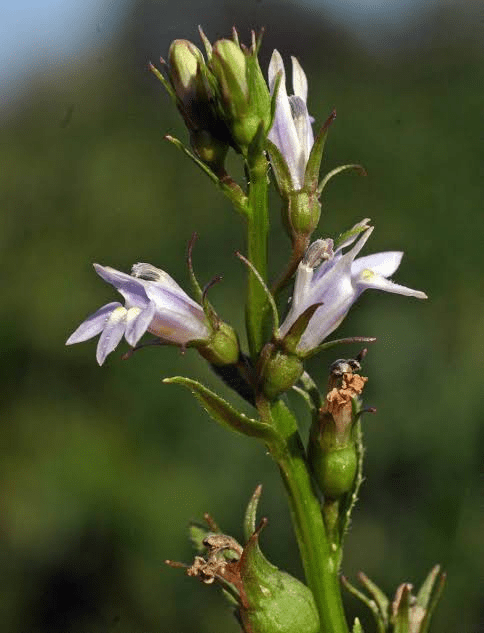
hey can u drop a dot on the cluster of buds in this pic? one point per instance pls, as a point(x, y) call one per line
point(266, 599)
point(223, 99)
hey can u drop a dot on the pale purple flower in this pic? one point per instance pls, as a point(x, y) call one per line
point(336, 280)
point(154, 303)
point(291, 132)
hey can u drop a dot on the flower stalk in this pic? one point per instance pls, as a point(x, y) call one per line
point(257, 236)
point(314, 547)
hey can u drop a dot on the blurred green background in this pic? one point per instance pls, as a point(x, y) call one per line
point(102, 468)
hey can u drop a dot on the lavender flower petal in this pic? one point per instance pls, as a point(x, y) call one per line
point(112, 334)
point(336, 280)
point(299, 80)
point(137, 322)
point(93, 325)
point(384, 264)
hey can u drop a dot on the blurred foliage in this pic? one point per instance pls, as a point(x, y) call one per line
point(103, 468)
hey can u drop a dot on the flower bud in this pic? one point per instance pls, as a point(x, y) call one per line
point(194, 93)
point(186, 61)
point(332, 447)
point(244, 99)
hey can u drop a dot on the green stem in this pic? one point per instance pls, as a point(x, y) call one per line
point(257, 233)
point(318, 560)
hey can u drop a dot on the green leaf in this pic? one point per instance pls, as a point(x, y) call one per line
point(378, 595)
point(402, 619)
point(251, 513)
point(298, 328)
point(279, 165)
point(274, 99)
point(356, 230)
point(312, 391)
point(164, 81)
point(206, 43)
point(223, 412)
point(311, 176)
point(426, 592)
point(361, 170)
point(371, 604)
point(340, 341)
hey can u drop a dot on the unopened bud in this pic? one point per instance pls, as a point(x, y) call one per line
point(244, 99)
point(185, 64)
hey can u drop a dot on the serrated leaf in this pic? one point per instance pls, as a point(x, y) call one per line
point(223, 412)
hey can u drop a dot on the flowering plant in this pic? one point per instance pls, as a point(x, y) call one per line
point(226, 103)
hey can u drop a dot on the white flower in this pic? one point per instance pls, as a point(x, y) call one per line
point(154, 303)
point(291, 132)
point(336, 280)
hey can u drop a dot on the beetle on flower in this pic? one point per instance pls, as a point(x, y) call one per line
point(336, 280)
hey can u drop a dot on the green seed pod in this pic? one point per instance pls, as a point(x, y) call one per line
point(222, 347)
point(335, 470)
point(281, 372)
point(304, 211)
point(273, 601)
point(332, 450)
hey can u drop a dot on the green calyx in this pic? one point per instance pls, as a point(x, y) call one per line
point(332, 450)
point(222, 348)
point(303, 212)
point(335, 470)
point(281, 371)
